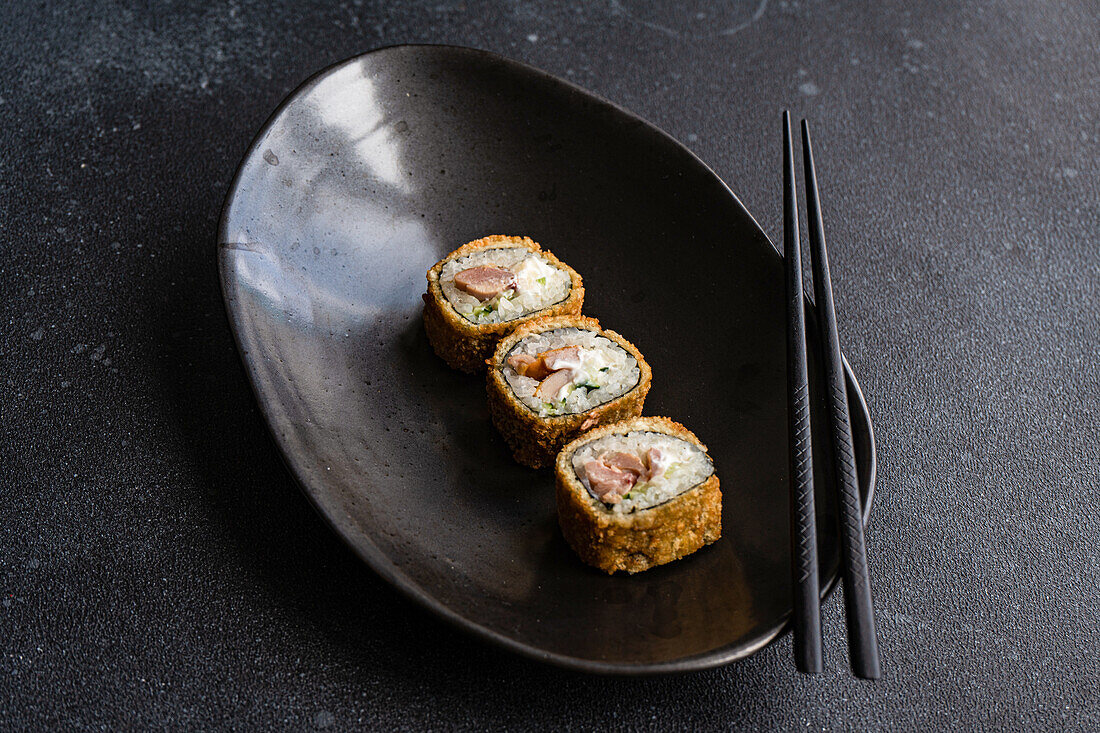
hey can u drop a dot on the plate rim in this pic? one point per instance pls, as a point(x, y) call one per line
point(384, 568)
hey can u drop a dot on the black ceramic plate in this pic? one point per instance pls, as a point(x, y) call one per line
point(374, 169)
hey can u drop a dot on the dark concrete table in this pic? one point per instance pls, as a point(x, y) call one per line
point(158, 568)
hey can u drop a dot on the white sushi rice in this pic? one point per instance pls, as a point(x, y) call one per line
point(683, 466)
point(608, 369)
point(539, 285)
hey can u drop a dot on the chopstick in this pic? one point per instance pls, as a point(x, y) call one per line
point(860, 615)
point(806, 621)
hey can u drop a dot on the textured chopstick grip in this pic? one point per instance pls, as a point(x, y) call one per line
point(806, 620)
point(859, 612)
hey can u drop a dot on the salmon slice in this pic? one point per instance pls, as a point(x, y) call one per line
point(544, 364)
point(548, 389)
point(625, 462)
point(485, 281)
point(529, 366)
point(522, 363)
point(609, 484)
point(563, 358)
point(655, 463)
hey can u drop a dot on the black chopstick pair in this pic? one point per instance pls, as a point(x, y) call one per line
point(806, 621)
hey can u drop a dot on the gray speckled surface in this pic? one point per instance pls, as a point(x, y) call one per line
point(158, 568)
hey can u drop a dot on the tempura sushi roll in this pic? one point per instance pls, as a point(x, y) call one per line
point(637, 493)
point(486, 288)
point(555, 377)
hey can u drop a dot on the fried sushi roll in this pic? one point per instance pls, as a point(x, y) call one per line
point(555, 377)
point(485, 288)
point(637, 493)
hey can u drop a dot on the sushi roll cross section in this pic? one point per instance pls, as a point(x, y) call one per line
point(555, 377)
point(484, 289)
point(636, 494)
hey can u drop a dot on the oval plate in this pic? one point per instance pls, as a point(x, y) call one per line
point(375, 168)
